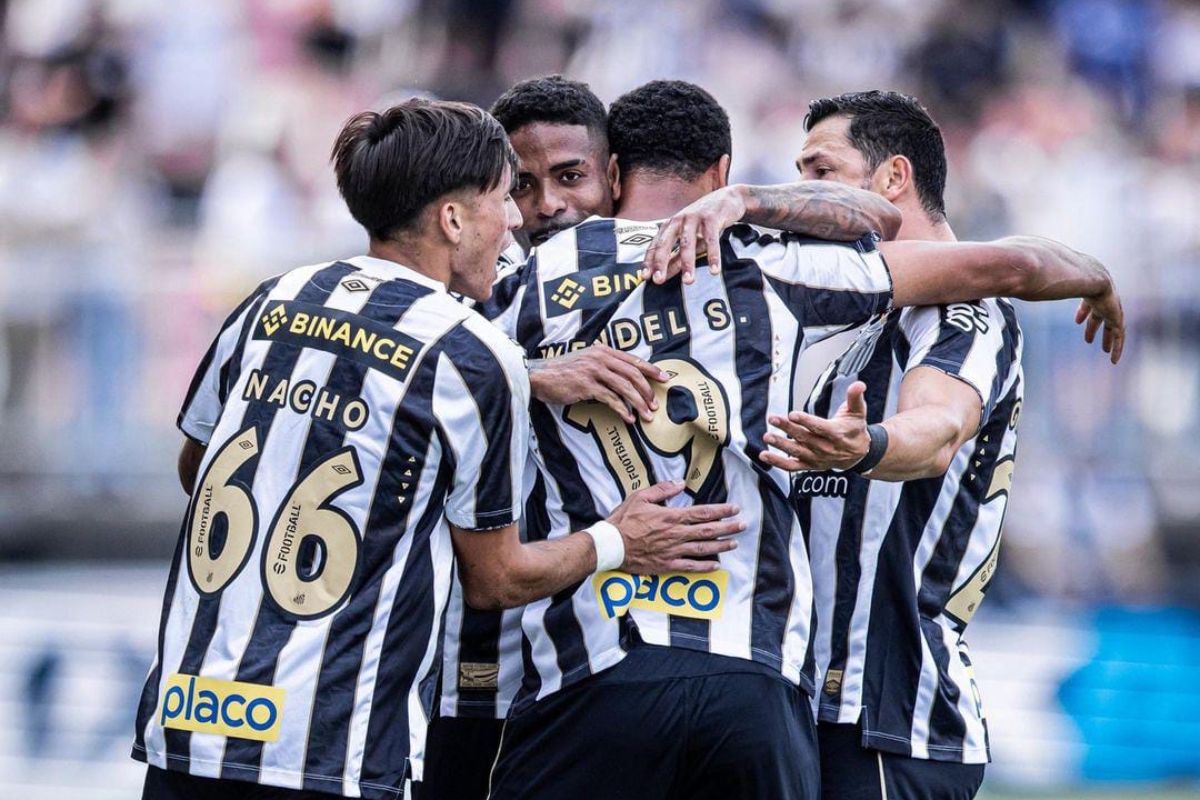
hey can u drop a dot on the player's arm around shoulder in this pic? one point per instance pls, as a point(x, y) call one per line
point(955, 353)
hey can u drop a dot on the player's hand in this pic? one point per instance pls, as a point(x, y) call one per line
point(1104, 309)
point(675, 248)
point(598, 372)
point(662, 538)
point(813, 443)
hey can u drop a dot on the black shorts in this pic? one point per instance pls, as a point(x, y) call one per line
point(850, 771)
point(664, 723)
point(459, 754)
point(164, 784)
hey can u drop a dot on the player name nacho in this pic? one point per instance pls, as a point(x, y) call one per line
point(224, 708)
point(680, 594)
point(342, 333)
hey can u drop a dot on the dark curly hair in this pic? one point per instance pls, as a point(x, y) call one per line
point(885, 124)
point(552, 99)
point(390, 166)
point(668, 127)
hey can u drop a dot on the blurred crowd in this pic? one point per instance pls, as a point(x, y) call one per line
point(157, 160)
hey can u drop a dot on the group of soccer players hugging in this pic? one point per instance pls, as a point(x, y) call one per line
point(524, 503)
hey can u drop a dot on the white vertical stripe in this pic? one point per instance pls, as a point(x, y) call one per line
point(364, 692)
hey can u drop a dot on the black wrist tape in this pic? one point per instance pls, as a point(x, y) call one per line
point(875, 453)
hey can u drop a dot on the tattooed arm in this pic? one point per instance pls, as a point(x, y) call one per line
point(815, 208)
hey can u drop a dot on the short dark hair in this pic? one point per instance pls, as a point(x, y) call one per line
point(391, 165)
point(668, 127)
point(885, 124)
point(553, 99)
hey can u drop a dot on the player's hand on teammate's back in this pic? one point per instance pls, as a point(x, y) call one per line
point(662, 538)
point(813, 443)
point(1104, 310)
point(675, 250)
point(617, 379)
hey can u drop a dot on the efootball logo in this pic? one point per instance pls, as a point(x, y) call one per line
point(274, 319)
point(567, 294)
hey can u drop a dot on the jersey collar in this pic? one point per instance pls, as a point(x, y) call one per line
point(395, 270)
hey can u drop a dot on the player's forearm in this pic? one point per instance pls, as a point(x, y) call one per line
point(1044, 269)
point(921, 444)
point(534, 570)
point(823, 209)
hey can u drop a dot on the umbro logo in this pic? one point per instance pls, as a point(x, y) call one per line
point(274, 319)
point(355, 285)
point(638, 239)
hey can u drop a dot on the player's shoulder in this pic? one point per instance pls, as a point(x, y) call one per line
point(473, 340)
point(595, 241)
point(744, 236)
point(987, 316)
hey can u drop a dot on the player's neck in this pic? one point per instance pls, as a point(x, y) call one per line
point(414, 255)
point(917, 226)
point(653, 197)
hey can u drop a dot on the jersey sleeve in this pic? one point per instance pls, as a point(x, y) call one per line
point(829, 286)
point(503, 307)
point(972, 342)
point(481, 403)
point(209, 388)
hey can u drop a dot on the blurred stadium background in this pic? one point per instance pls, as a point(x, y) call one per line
point(158, 159)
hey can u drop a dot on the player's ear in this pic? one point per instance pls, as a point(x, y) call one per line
point(450, 220)
point(613, 175)
point(894, 177)
point(718, 173)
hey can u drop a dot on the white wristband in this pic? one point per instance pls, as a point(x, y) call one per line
point(610, 545)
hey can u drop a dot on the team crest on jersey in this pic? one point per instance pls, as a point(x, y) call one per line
point(225, 708)
point(590, 288)
point(967, 317)
point(680, 594)
point(479, 676)
point(342, 333)
point(859, 354)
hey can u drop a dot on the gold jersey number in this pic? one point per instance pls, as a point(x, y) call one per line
point(692, 421)
point(304, 520)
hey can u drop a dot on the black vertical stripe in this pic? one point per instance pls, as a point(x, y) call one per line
point(877, 374)
point(149, 702)
point(410, 626)
point(232, 369)
point(411, 433)
point(754, 345)
point(273, 627)
point(947, 728)
point(278, 362)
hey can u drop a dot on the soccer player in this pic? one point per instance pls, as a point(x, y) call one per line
point(659, 685)
point(349, 424)
point(558, 128)
point(903, 512)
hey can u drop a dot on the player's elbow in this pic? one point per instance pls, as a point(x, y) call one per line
point(887, 219)
point(483, 593)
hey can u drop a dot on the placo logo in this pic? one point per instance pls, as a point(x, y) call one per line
point(225, 708)
point(680, 594)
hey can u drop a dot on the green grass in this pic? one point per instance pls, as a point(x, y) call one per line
point(1098, 794)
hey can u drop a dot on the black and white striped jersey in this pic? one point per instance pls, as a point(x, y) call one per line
point(481, 653)
point(730, 344)
point(899, 569)
point(350, 410)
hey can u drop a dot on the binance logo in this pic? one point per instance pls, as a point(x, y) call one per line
point(274, 319)
point(355, 285)
point(567, 293)
point(638, 239)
